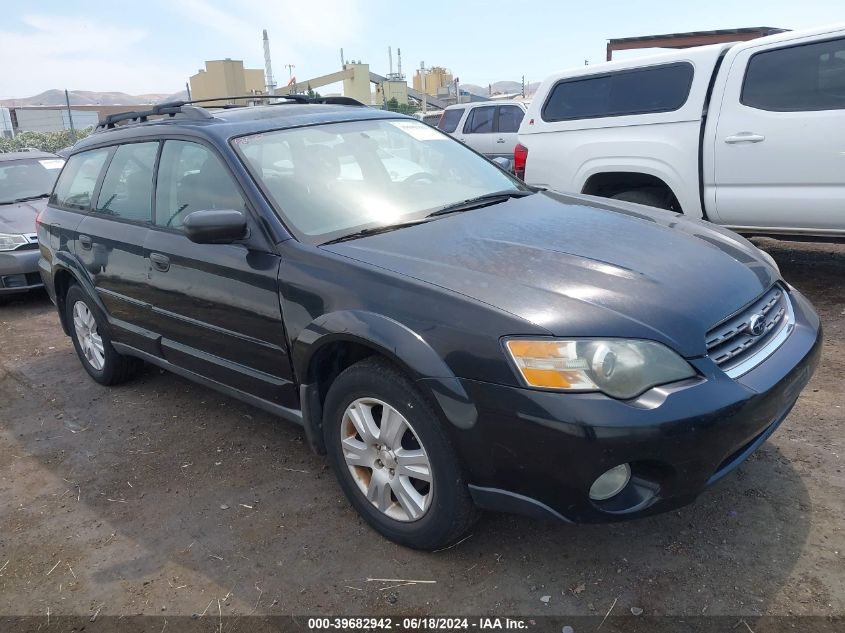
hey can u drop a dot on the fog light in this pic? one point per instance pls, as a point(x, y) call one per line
point(610, 483)
point(13, 281)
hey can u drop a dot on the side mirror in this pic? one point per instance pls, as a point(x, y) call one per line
point(504, 163)
point(215, 226)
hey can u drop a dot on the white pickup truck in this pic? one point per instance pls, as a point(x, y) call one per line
point(749, 135)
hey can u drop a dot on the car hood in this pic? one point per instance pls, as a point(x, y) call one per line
point(19, 217)
point(580, 266)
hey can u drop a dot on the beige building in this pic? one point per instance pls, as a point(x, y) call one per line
point(434, 82)
point(392, 89)
point(357, 82)
point(226, 78)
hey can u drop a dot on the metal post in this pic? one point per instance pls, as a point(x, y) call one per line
point(188, 90)
point(423, 86)
point(69, 113)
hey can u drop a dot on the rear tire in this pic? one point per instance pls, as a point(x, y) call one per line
point(92, 344)
point(411, 489)
point(648, 197)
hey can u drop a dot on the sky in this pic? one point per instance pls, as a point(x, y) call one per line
point(155, 45)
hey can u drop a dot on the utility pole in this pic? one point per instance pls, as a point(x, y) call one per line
point(69, 113)
point(188, 90)
point(423, 86)
point(523, 86)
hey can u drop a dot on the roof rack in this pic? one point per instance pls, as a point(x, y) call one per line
point(186, 109)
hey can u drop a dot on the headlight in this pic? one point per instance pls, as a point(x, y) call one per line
point(769, 259)
point(10, 241)
point(620, 368)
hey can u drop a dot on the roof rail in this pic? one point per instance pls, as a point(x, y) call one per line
point(187, 110)
point(162, 109)
point(337, 101)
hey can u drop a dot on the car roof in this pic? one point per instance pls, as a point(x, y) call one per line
point(7, 156)
point(224, 124)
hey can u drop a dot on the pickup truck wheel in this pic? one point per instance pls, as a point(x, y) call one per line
point(92, 345)
point(647, 197)
point(393, 459)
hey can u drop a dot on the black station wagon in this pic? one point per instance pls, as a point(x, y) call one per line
point(450, 337)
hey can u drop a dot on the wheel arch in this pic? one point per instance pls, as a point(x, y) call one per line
point(607, 184)
point(67, 271)
point(337, 340)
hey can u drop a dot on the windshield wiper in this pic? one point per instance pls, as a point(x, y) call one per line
point(375, 230)
point(35, 197)
point(481, 201)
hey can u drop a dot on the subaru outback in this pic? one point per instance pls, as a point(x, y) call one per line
point(452, 339)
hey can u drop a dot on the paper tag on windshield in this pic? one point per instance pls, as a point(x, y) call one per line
point(419, 131)
point(52, 163)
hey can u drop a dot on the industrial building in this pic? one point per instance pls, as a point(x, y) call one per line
point(226, 77)
point(55, 118)
point(433, 81)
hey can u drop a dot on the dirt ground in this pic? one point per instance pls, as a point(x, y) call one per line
point(160, 496)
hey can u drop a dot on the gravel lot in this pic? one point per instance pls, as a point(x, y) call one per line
point(160, 496)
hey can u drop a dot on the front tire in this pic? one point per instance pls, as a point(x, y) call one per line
point(393, 459)
point(92, 344)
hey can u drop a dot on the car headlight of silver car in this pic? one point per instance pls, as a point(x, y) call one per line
point(10, 241)
point(620, 368)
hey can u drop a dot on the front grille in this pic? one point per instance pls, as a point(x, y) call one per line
point(735, 348)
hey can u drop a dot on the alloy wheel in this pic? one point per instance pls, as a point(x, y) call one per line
point(89, 339)
point(386, 459)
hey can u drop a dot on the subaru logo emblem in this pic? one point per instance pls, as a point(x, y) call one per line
point(757, 325)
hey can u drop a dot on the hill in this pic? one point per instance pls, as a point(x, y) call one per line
point(86, 97)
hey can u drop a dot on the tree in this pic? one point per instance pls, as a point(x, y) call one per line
point(393, 105)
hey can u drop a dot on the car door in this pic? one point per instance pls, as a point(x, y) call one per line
point(508, 118)
point(780, 138)
point(110, 243)
point(216, 305)
point(477, 131)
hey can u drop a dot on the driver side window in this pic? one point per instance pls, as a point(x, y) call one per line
point(192, 178)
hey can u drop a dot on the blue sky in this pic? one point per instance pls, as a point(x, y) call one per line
point(156, 45)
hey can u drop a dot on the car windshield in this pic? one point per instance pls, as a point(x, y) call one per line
point(332, 180)
point(28, 178)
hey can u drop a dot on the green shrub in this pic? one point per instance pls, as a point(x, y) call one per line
point(45, 141)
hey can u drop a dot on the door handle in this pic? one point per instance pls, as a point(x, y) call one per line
point(85, 241)
point(161, 262)
point(501, 140)
point(745, 137)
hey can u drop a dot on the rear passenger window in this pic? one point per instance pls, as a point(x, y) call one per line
point(805, 78)
point(640, 91)
point(192, 178)
point(480, 120)
point(78, 180)
point(127, 190)
point(509, 118)
point(450, 119)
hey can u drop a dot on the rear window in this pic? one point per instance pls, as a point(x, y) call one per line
point(509, 118)
point(450, 119)
point(804, 78)
point(78, 180)
point(639, 91)
point(480, 120)
point(127, 189)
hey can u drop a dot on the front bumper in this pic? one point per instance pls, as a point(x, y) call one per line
point(19, 271)
point(538, 453)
